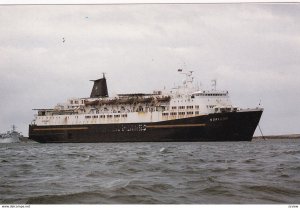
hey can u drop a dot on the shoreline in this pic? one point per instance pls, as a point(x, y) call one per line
point(287, 136)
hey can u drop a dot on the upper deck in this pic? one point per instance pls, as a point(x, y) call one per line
point(186, 100)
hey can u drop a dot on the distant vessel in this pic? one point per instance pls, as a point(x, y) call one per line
point(182, 114)
point(11, 136)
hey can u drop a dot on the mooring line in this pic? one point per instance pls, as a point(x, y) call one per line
point(261, 132)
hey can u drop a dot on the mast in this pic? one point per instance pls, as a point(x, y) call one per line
point(188, 81)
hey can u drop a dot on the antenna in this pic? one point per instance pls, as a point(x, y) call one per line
point(214, 84)
point(13, 127)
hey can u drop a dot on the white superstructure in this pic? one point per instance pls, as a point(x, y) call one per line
point(183, 101)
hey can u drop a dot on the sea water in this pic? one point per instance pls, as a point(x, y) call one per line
point(263, 171)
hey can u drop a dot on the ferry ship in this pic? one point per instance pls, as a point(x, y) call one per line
point(185, 113)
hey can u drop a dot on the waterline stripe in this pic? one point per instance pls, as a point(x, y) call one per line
point(61, 129)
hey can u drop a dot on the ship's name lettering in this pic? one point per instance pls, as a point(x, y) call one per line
point(139, 127)
point(219, 119)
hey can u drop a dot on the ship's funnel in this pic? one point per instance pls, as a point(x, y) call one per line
point(99, 88)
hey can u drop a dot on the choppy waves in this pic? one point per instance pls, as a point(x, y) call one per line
point(151, 173)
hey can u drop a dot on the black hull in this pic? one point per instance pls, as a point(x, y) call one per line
point(233, 126)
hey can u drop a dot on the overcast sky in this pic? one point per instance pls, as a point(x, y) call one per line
point(253, 50)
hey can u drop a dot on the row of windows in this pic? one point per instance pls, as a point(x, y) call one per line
point(141, 108)
point(76, 102)
point(181, 113)
point(108, 116)
point(187, 107)
point(125, 115)
point(210, 94)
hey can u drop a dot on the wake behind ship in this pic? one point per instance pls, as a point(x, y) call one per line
point(183, 114)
